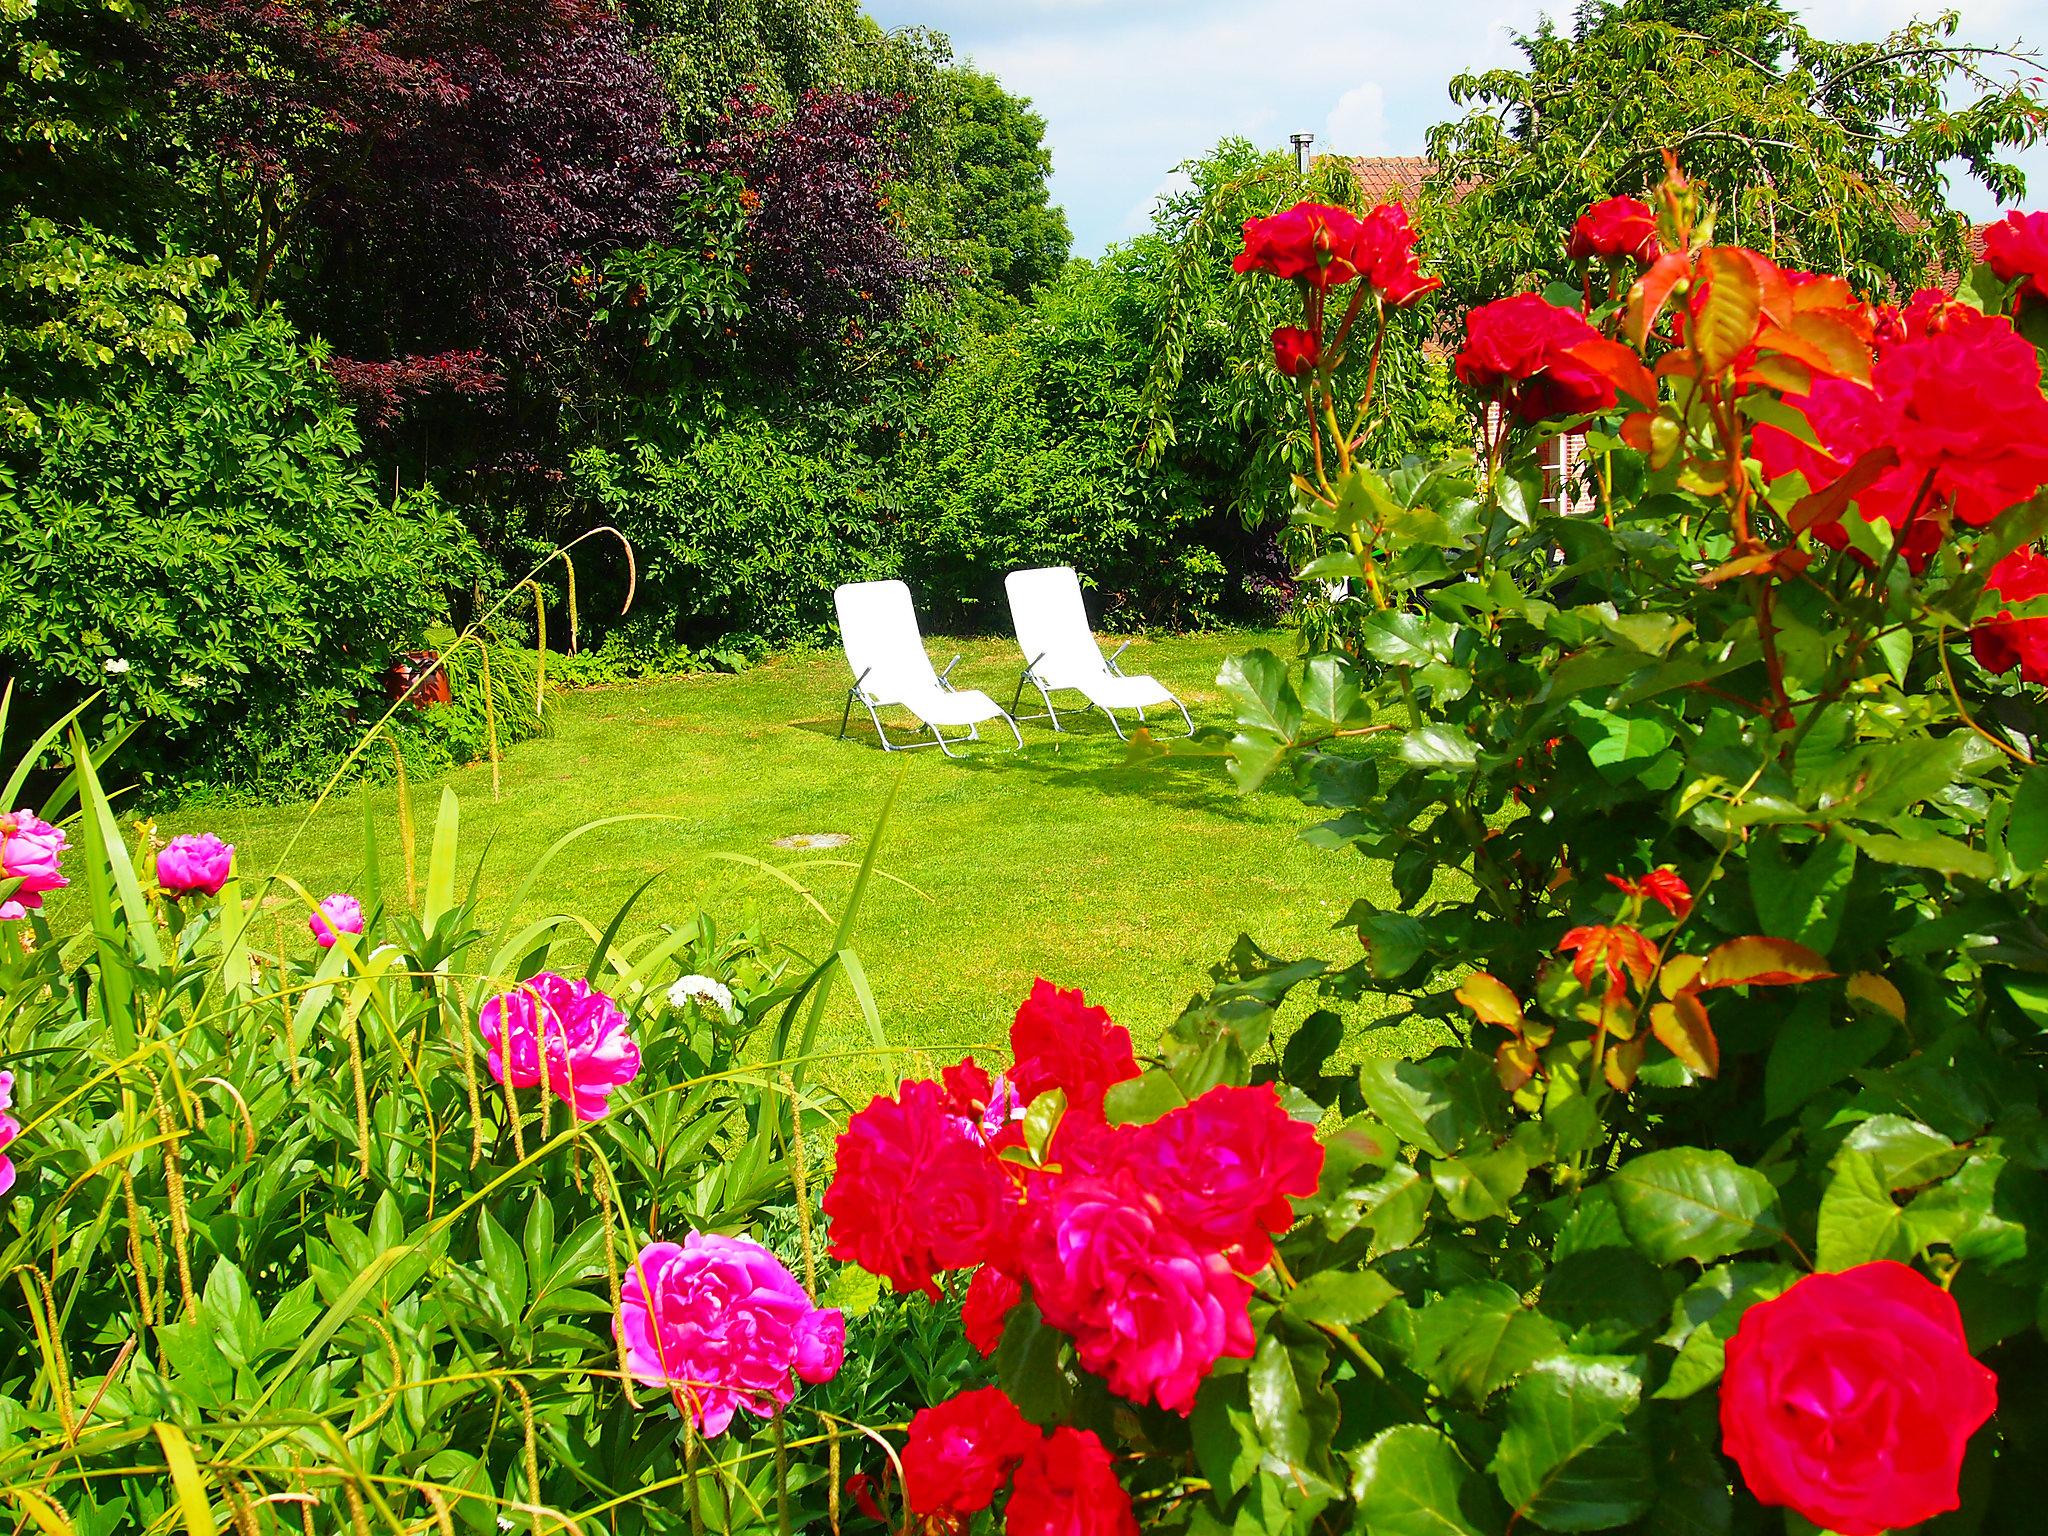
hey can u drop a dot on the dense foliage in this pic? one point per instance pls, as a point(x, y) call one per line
point(206, 550)
point(321, 1212)
point(1835, 156)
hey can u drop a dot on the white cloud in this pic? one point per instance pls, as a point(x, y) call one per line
point(1358, 123)
point(1132, 88)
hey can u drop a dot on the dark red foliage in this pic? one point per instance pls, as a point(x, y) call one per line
point(443, 170)
point(821, 247)
point(380, 391)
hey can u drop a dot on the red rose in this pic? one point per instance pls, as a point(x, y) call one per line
point(1522, 349)
point(2005, 642)
point(1958, 399)
point(915, 1190)
point(1061, 1042)
point(1310, 241)
point(1222, 1169)
point(1148, 1310)
point(2017, 246)
point(1295, 351)
point(990, 1296)
point(960, 1453)
point(1383, 251)
point(1850, 1399)
point(1615, 229)
point(1066, 1487)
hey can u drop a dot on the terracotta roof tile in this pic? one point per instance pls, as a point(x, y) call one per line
point(1391, 178)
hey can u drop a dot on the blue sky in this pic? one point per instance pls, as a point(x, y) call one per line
point(1131, 88)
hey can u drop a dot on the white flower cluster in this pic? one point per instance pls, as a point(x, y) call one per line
point(704, 991)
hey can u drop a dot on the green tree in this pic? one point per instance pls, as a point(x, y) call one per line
point(711, 50)
point(1826, 155)
point(1014, 239)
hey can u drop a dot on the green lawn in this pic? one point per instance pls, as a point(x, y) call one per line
point(1062, 860)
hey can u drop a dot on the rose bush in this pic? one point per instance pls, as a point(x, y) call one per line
point(1708, 782)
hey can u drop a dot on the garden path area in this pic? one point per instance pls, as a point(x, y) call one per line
point(1067, 860)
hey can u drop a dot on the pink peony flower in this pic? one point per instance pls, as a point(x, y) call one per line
point(9, 1129)
point(1067, 1487)
point(196, 864)
point(1149, 1311)
point(588, 1051)
point(29, 850)
point(721, 1323)
point(960, 1453)
point(340, 913)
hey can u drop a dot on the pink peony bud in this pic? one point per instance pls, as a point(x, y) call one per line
point(721, 1323)
point(29, 850)
point(340, 913)
point(589, 1052)
point(198, 864)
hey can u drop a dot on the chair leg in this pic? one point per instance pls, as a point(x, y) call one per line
point(939, 736)
point(1120, 736)
point(846, 715)
point(1012, 724)
point(884, 735)
point(1051, 713)
point(1187, 719)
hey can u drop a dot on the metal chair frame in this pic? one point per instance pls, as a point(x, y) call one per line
point(1030, 675)
point(939, 739)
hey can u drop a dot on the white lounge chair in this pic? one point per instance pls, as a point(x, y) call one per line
point(878, 628)
point(1060, 651)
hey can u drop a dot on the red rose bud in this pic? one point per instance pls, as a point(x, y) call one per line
point(1619, 228)
point(1851, 1398)
point(2017, 247)
point(1295, 351)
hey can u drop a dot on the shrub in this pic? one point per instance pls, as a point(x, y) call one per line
point(1718, 833)
point(741, 537)
point(204, 546)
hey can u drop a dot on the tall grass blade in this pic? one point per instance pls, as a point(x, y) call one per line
point(441, 861)
point(193, 1503)
point(611, 929)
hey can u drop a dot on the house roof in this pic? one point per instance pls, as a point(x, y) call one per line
point(1391, 178)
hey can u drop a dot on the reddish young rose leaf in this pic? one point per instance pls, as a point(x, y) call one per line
point(1646, 300)
point(1620, 366)
point(1683, 1028)
point(1827, 504)
point(1726, 321)
point(1491, 1001)
point(1679, 974)
point(1514, 1063)
point(1762, 962)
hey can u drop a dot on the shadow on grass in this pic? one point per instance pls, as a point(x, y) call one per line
point(1087, 754)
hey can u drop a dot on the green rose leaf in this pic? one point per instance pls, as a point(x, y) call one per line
point(1339, 1298)
point(1293, 1407)
point(1479, 1339)
point(1411, 1481)
point(1705, 1318)
point(1859, 1221)
point(1688, 1203)
point(1566, 1460)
